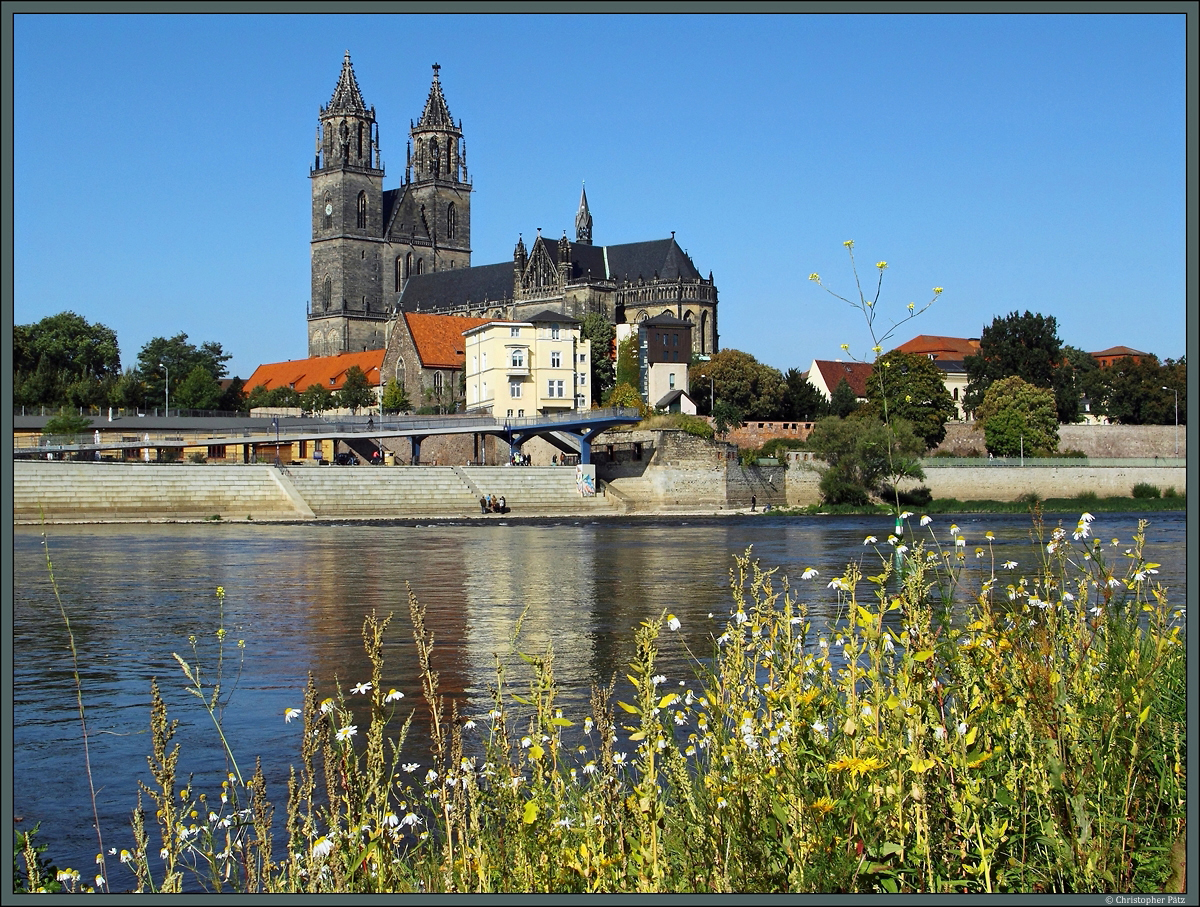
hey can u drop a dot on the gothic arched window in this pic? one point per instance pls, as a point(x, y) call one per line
point(451, 221)
point(327, 294)
point(435, 158)
point(408, 265)
point(420, 265)
point(362, 209)
point(438, 383)
point(399, 273)
point(328, 211)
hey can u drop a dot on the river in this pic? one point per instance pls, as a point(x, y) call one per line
point(296, 596)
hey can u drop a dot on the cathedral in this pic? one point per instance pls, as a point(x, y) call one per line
point(378, 253)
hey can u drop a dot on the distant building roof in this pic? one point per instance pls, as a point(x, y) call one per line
point(439, 338)
point(833, 372)
point(938, 347)
point(329, 371)
point(1117, 352)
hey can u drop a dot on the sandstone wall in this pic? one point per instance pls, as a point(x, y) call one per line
point(1094, 440)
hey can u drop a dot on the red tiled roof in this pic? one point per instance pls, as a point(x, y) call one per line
point(941, 347)
point(439, 338)
point(327, 370)
point(855, 373)
point(1117, 352)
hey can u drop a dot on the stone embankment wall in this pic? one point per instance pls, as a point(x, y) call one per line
point(1093, 440)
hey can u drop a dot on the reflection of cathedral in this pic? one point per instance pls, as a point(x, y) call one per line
point(377, 252)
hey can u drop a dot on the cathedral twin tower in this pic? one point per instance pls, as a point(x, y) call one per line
point(378, 252)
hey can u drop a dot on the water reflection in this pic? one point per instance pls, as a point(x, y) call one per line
point(297, 596)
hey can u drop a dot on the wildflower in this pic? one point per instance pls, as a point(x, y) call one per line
point(411, 819)
point(672, 622)
point(469, 724)
point(846, 346)
point(722, 803)
point(393, 696)
point(870, 540)
point(902, 549)
point(820, 726)
point(740, 617)
point(905, 515)
point(431, 776)
point(822, 643)
point(962, 728)
point(322, 847)
point(939, 732)
point(362, 687)
point(937, 291)
point(1009, 565)
point(979, 552)
point(1086, 518)
point(590, 768)
point(809, 573)
point(564, 822)
point(326, 705)
point(866, 711)
point(960, 542)
point(619, 758)
point(410, 767)
point(926, 519)
point(658, 679)
point(911, 306)
point(289, 714)
point(99, 881)
point(347, 732)
point(588, 724)
point(526, 742)
point(163, 854)
point(881, 265)
point(849, 244)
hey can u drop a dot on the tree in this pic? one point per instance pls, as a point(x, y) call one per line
point(129, 391)
point(64, 357)
point(282, 398)
point(843, 401)
point(863, 456)
point(233, 398)
point(726, 416)
point(1136, 394)
point(199, 390)
point(258, 397)
point(180, 359)
point(801, 399)
point(628, 369)
point(600, 331)
point(316, 398)
point(395, 400)
point(1018, 418)
point(66, 423)
point(912, 388)
point(1028, 347)
point(626, 395)
point(1088, 382)
point(355, 393)
point(756, 390)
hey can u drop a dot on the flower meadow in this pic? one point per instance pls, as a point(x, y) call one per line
point(964, 726)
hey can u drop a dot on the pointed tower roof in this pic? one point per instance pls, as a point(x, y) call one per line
point(347, 96)
point(436, 114)
point(583, 219)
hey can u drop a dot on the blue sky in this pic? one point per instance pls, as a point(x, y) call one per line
point(1020, 162)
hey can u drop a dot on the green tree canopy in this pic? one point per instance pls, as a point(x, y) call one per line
point(395, 400)
point(600, 331)
point(180, 359)
point(199, 390)
point(1028, 347)
point(862, 456)
point(66, 423)
point(626, 395)
point(1142, 393)
point(64, 358)
point(628, 371)
point(913, 388)
point(843, 401)
point(801, 399)
point(726, 416)
point(1018, 418)
point(756, 390)
point(356, 393)
point(233, 398)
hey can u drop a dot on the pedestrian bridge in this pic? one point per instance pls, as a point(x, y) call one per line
point(575, 429)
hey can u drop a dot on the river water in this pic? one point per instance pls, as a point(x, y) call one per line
point(296, 595)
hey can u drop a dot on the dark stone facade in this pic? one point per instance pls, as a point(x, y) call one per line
point(378, 252)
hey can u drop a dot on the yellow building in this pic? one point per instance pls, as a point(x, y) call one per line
point(526, 368)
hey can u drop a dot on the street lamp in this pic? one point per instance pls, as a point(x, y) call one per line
point(1176, 393)
point(167, 388)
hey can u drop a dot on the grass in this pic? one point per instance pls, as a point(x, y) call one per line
point(960, 728)
point(1088, 501)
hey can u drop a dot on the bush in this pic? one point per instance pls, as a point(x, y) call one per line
point(1029, 497)
point(1146, 490)
point(1087, 497)
point(196, 457)
point(694, 425)
point(912, 497)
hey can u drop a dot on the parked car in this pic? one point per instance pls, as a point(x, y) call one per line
point(345, 459)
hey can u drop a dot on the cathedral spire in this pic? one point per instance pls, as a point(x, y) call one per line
point(436, 114)
point(347, 97)
point(583, 220)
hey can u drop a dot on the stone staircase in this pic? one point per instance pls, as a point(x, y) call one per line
point(533, 490)
point(383, 492)
point(66, 491)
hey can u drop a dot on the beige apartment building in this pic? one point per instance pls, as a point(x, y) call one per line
point(522, 369)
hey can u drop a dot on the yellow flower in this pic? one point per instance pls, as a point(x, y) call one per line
point(845, 346)
point(911, 306)
point(937, 291)
point(877, 349)
point(849, 244)
point(881, 265)
point(815, 277)
point(823, 805)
